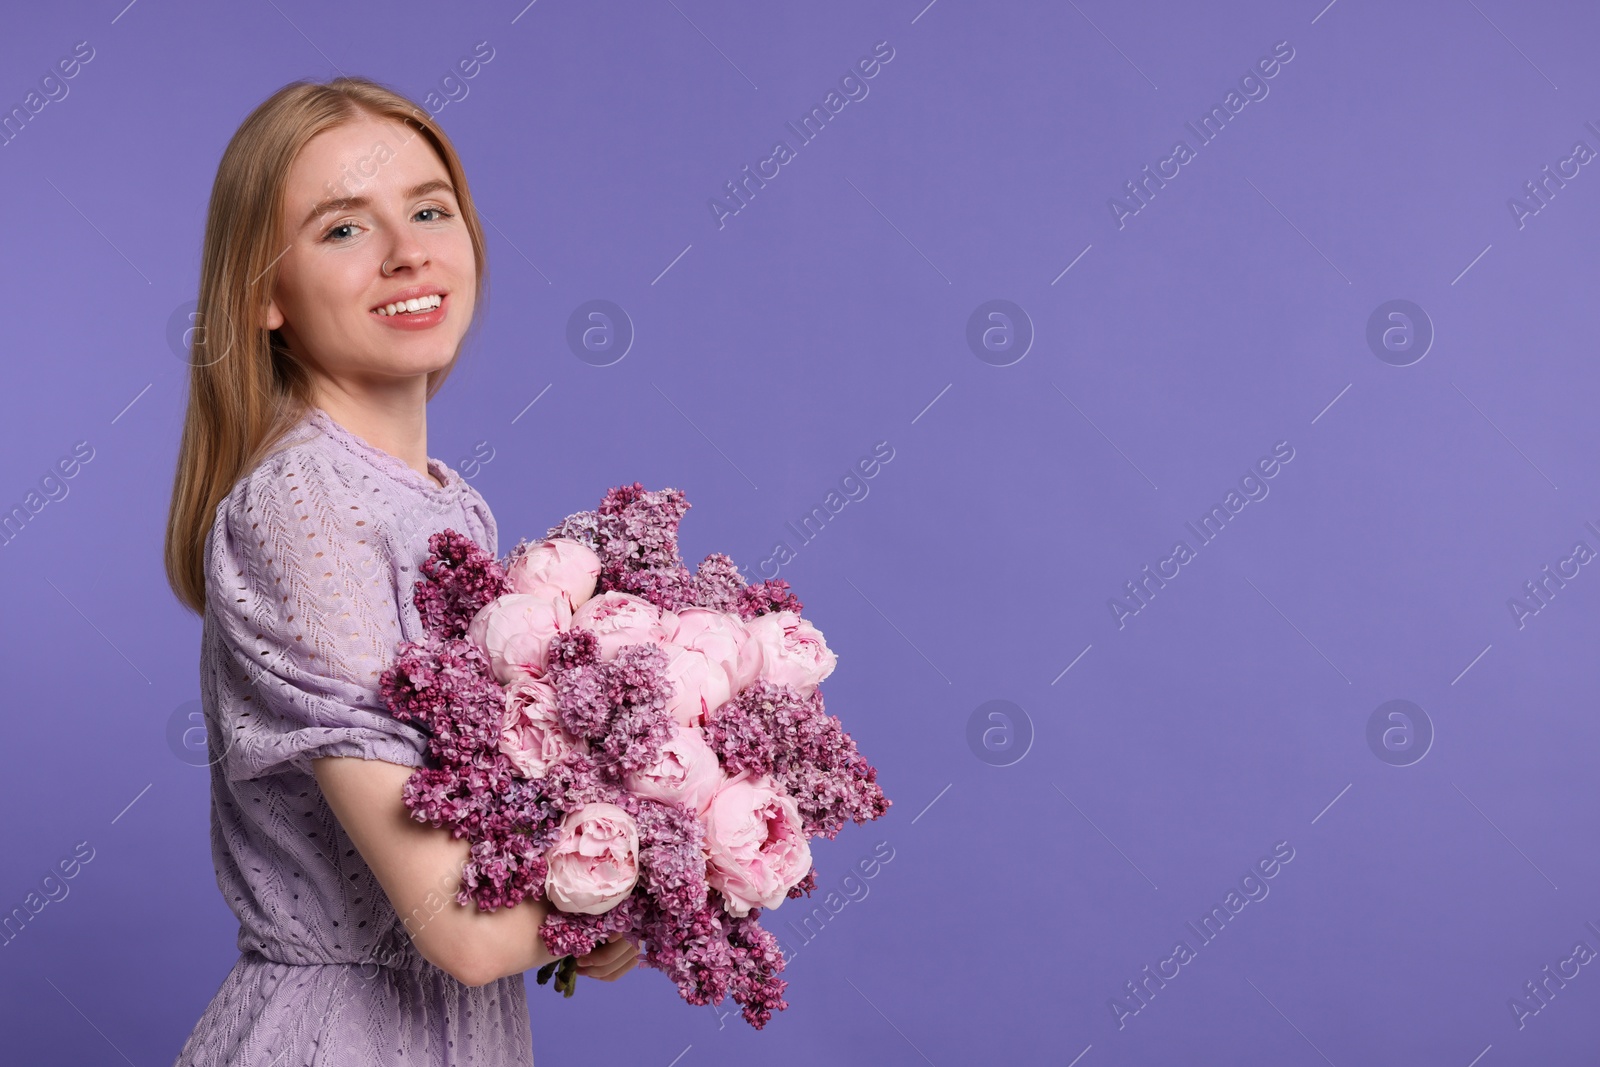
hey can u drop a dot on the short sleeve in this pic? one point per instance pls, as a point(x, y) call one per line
point(301, 585)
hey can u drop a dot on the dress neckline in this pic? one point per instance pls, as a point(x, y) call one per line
point(390, 464)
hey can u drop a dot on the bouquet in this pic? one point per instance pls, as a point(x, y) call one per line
point(642, 747)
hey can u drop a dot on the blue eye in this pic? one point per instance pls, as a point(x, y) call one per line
point(329, 234)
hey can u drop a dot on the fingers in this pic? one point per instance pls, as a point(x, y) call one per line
point(611, 975)
point(614, 959)
point(609, 961)
point(608, 953)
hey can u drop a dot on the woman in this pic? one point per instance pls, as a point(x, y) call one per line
point(343, 263)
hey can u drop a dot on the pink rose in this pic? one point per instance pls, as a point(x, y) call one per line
point(699, 684)
point(792, 651)
point(514, 631)
point(532, 737)
point(595, 860)
point(756, 844)
point(619, 619)
point(686, 772)
point(723, 638)
point(555, 567)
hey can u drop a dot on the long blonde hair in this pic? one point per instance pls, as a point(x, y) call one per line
point(245, 388)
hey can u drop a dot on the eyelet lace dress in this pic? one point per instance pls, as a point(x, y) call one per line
point(310, 564)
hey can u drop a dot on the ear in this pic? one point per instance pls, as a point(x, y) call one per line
point(274, 317)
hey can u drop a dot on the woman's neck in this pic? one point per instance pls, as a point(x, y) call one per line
point(398, 425)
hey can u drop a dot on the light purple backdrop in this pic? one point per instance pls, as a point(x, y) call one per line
point(1149, 356)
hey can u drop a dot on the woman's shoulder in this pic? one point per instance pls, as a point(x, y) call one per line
point(299, 509)
point(298, 465)
point(311, 505)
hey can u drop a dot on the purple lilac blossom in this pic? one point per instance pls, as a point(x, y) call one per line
point(764, 597)
point(718, 584)
point(458, 578)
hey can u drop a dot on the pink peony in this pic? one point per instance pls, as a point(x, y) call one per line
point(757, 848)
point(699, 685)
point(532, 737)
point(558, 566)
point(723, 638)
point(514, 632)
point(594, 862)
point(618, 619)
point(687, 772)
point(792, 651)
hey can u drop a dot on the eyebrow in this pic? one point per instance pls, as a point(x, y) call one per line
point(344, 203)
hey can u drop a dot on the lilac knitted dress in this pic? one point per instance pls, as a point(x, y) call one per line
point(310, 564)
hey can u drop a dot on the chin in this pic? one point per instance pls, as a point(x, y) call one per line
point(427, 366)
point(419, 352)
point(408, 364)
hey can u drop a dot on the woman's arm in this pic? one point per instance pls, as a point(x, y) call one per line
point(419, 868)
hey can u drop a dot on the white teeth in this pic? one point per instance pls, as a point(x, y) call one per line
point(406, 307)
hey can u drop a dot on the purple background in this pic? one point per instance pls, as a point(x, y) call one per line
point(829, 314)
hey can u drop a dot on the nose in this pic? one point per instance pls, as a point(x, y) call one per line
point(406, 251)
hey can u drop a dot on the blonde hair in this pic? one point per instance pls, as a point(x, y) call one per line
point(246, 390)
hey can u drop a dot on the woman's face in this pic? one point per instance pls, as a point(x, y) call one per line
point(359, 196)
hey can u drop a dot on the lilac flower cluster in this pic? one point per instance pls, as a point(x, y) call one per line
point(771, 729)
point(635, 534)
point(619, 707)
point(617, 711)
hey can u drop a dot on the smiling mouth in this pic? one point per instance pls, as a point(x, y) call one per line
point(410, 307)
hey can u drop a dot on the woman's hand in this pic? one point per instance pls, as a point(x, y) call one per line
point(609, 961)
